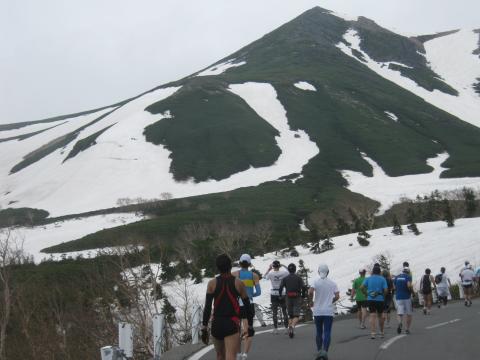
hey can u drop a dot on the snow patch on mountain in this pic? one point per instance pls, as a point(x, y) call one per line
point(39, 237)
point(453, 59)
point(391, 115)
point(221, 68)
point(463, 106)
point(303, 85)
point(388, 190)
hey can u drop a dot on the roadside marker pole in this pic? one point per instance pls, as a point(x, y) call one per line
point(158, 324)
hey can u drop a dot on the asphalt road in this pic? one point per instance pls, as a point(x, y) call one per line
point(451, 333)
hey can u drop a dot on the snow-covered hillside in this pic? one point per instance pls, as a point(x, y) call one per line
point(435, 247)
point(123, 165)
point(37, 238)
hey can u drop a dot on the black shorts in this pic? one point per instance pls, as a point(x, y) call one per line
point(224, 326)
point(277, 300)
point(387, 304)
point(376, 306)
point(243, 311)
point(362, 304)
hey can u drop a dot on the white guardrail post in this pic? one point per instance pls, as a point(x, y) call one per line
point(158, 324)
point(125, 339)
point(196, 322)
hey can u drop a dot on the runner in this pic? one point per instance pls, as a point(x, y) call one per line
point(360, 298)
point(388, 304)
point(252, 285)
point(467, 276)
point(225, 291)
point(375, 287)
point(277, 299)
point(443, 284)
point(426, 289)
point(403, 296)
point(324, 294)
point(293, 285)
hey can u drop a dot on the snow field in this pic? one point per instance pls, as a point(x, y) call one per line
point(123, 165)
point(435, 247)
point(303, 85)
point(391, 115)
point(221, 68)
point(388, 190)
point(448, 59)
point(39, 237)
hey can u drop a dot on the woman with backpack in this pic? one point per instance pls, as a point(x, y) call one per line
point(427, 285)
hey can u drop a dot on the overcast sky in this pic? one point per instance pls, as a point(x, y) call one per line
point(64, 56)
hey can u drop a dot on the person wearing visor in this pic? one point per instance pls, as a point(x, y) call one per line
point(252, 284)
point(276, 275)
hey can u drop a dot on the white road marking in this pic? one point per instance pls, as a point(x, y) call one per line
point(442, 324)
point(207, 349)
point(389, 342)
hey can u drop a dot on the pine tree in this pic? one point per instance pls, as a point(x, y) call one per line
point(362, 240)
point(397, 228)
point(413, 228)
point(447, 214)
point(470, 202)
point(303, 273)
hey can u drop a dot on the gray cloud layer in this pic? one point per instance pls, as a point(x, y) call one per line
point(61, 56)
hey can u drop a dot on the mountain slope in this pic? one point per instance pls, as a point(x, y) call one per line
point(245, 121)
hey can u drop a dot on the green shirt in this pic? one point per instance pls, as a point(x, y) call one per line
point(359, 295)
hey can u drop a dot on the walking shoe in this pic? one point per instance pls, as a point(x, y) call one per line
point(372, 336)
point(290, 332)
point(466, 303)
point(382, 335)
point(244, 356)
point(424, 311)
point(399, 329)
point(363, 326)
point(470, 303)
point(407, 332)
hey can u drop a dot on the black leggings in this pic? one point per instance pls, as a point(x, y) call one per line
point(278, 301)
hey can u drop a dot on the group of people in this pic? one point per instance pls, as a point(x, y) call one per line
point(233, 293)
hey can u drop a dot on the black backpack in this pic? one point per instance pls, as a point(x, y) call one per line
point(426, 283)
point(438, 278)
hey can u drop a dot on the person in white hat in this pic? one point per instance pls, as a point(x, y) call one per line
point(323, 295)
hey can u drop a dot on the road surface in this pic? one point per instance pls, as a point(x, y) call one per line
point(451, 333)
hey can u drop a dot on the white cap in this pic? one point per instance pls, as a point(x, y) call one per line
point(323, 270)
point(246, 258)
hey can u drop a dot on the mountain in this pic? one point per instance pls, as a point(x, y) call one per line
point(276, 131)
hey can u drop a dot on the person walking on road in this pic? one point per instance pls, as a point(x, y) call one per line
point(427, 285)
point(225, 291)
point(375, 287)
point(251, 281)
point(322, 297)
point(403, 296)
point(360, 297)
point(443, 284)
point(293, 285)
point(275, 275)
point(467, 275)
point(388, 298)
